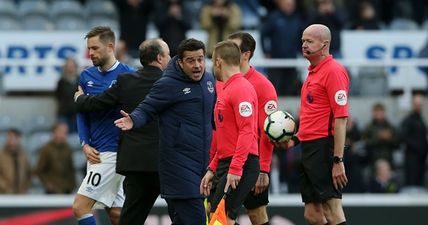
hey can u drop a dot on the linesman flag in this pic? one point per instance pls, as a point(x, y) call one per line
point(219, 217)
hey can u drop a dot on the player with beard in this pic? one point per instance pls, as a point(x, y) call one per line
point(102, 186)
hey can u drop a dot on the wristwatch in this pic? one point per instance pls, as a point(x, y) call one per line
point(337, 159)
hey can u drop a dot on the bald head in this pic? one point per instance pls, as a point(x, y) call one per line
point(154, 52)
point(319, 31)
point(316, 43)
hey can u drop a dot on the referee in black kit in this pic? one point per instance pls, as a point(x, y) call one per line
point(138, 154)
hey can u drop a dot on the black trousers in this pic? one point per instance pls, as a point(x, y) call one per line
point(141, 191)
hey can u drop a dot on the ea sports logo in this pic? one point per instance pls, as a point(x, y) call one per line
point(340, 97)
point(245, 109)
point(270, 107)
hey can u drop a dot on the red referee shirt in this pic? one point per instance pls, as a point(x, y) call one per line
point(324, 97)
point(268, 103)
point(219, 89)
point(236, 123)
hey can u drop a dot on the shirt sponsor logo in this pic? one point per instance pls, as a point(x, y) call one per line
point(340, 97)
point(186, 91)
point(245, 109)
point(271, 106)
point(210, 86)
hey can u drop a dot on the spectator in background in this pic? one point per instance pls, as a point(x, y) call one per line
point(329, 15)
point(420, 7)
point(402, 20)
point(384, 8)
point(64, 94)
point(366, 18)
point(414, 133)
point(251, 13)
point(134, 18)
point(269, 6)
point(55, 166)
point(15, 168)
point(383, 180)
point(172, 21)
point(380, 136)
point(280, 36)
point(219, 18)
point(122, 54)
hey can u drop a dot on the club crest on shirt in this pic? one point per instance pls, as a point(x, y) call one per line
point(112, 83)
point(309, 97)
point(340, 97)
point(245, 109)
point(270, 107)
point(220, 117)
point(210, 86)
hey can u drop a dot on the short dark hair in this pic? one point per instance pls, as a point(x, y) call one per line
point(247, 41)
point(190, 44)
point(106, 34)
point(14, 131)
point(379, 106)
point(149, 51)
point(57, 124)
point(228, 51)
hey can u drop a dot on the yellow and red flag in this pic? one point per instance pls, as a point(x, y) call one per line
point(219, 217)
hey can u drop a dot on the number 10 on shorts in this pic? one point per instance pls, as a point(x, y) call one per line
point(94, 179)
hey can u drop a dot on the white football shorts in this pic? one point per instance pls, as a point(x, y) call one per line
point(102, 183)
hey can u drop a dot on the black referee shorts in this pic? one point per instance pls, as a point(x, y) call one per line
point(254, 201)
point(236, 197)
point(316, 177)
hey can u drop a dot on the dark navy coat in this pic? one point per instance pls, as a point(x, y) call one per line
point(185, 110)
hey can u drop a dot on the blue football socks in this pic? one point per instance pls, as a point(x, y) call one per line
point(87, 219)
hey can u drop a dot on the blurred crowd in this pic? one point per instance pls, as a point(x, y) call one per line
point(279, 23)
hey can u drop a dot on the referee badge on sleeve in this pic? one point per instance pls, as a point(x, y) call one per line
point(340, 97)
point(270, 107)
point(245, 109)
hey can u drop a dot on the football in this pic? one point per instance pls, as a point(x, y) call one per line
point(280, 126)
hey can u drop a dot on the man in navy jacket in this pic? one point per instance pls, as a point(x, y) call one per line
point(183, 99)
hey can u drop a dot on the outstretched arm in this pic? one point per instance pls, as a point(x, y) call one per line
point(124, 123)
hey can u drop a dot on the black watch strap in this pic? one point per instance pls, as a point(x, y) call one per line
point(337, 159)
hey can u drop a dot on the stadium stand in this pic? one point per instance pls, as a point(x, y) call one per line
point(30, 7)
point(70, 22)
point(34, 142)
point(37, 22)
point(67, 8)
point(9, 22)
point(38, 123)
point(7, 8)
point(100, 8)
